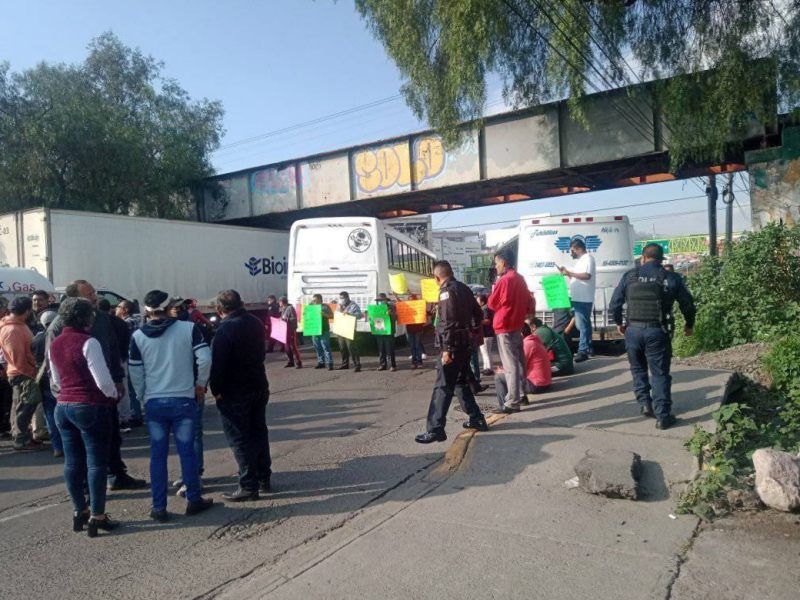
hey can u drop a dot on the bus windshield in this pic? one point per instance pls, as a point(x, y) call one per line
point(349, 246)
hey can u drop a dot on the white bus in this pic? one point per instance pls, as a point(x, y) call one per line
point(352, 254)
point(544, 246)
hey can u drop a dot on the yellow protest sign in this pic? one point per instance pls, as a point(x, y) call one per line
point(344, 325)
point(430, 290)
point(398, 284)
point(411, 312)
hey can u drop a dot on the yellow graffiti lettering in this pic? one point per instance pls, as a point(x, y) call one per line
point(382, 168)
point(430, 158)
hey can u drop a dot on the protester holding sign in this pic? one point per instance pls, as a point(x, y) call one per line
point(384, 335)
point(413, 314)
point(322, 341)
point(289, 316)
point(347, 345)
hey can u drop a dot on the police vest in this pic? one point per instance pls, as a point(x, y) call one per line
point(645, 299)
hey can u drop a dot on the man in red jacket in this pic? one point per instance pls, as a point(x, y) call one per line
point(511, 302)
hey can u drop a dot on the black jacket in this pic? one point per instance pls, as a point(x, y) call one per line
point(237, 357)
point(458, 312)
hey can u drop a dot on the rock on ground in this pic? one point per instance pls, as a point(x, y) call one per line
point(611, 473)
point(777, 479)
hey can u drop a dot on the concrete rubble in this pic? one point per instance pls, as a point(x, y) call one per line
point(611, 473)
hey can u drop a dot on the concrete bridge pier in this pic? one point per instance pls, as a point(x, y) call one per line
point(775, 181)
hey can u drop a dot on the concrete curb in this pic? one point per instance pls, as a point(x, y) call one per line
point(454, 456)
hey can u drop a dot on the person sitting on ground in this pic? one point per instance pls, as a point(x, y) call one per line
point(538, 376)
point(558, 351)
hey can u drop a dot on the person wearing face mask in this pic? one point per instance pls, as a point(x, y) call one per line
point(457, 312)
point(581, 290)
point(348, 347)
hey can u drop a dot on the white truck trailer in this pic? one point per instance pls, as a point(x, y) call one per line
point(128, 256)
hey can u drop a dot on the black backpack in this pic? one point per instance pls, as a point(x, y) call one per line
point(645, 300)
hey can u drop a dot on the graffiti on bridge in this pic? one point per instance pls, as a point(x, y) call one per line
point(386, 167)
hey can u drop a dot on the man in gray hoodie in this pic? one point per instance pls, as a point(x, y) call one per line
point(169, 366)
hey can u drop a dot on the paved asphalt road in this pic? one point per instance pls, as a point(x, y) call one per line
point(339, 440)
point(360, 510)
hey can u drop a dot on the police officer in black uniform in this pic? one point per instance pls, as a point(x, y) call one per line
point(457, 309)
point(648, 293)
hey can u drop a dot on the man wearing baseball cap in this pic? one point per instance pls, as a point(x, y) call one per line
point(163, 357)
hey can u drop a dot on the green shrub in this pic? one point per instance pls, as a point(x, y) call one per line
point(752, 294)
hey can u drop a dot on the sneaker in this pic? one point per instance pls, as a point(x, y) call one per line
point(330, 367)
point(30, 446)
point(506, 410)
point(125, 482)
point(320, 366)
point(58, 454)
point(357, 369)
point(424, 356)
point(647, 410)
point(393, 369)
point(288, 365)
point(580, 357)
point(381, 368)
point(178, 482)
point(193, 508)
point(666, 422)
point(162, 516)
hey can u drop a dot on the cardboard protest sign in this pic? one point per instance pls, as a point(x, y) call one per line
point(398, 284)
point(312, 319)
point(430, 290)
point(411, 312)
point(556, 293)
point(379, 321)
point(277, 330)
point(344, 325)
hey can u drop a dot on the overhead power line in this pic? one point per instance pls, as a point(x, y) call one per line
point(315, 121)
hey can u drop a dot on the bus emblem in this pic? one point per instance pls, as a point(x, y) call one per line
point(359, 240)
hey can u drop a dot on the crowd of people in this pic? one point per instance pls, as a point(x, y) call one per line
point(81, 373)
point(93, 372)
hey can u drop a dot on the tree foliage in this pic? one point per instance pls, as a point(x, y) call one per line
point(544, 50)
point(111, 134)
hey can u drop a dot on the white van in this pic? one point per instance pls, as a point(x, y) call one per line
point(544, 246)
point(17, 281)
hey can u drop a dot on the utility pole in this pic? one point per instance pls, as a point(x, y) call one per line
point(712, 194)
point(727, 199)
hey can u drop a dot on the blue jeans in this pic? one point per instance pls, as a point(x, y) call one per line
point(415, 342)
point(583, 321)
point(49, 406)
point(198, 436)
point(322, 346)
point(650, 348)
point(178, 415)
point(86, 434)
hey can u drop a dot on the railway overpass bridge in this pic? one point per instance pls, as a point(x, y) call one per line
point(538, 152)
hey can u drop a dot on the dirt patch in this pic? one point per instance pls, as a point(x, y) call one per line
point(744, 359)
